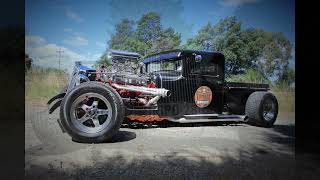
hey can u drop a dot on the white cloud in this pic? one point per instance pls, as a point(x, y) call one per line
point(73, 15)
point(100, 44)
point(76, 41)
point(47, 56)
point(236, 3)
point(32, 41)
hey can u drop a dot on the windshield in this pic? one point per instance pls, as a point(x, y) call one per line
point(166, 65)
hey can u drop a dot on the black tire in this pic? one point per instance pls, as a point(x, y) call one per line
point(255, 109)
point(107, 132)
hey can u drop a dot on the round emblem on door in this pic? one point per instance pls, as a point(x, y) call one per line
point(203, 96)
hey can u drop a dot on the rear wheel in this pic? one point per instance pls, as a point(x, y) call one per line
point(261, 109)
point(92, 112)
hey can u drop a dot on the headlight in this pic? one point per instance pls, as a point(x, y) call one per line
point(81, 78)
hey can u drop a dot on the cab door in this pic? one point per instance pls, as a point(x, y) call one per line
point(204, 77)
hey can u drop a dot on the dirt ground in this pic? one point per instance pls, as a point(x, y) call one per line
point(230, 150)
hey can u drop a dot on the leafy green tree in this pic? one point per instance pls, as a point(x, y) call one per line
point(203, 40)
point(123, 32)
point(148, 37)
point(223, 37)
point(167, 40)
point(136, 45)
point(149, 27)
point(275, 55)
point(268, 52)
point(288, 76)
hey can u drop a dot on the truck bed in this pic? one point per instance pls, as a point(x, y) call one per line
point(237, 85)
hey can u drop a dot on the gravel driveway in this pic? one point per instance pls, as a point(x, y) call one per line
point(230, 150)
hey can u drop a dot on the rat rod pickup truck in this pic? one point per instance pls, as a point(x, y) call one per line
point(179, 85)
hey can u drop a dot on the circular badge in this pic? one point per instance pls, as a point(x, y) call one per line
point(203, 96)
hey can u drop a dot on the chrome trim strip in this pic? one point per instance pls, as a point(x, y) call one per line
point(219, 118)
point(202, 115)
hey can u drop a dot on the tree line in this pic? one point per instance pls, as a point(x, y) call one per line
point(244, 48)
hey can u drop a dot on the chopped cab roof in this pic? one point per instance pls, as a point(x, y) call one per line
point(173, 54)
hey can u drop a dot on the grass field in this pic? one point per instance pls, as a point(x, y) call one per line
point(42, 84)
point(285, 96)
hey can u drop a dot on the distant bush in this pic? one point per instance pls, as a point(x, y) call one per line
point(42, 84)
point(251, 76)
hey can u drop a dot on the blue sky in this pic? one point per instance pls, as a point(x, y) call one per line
point(81, 28)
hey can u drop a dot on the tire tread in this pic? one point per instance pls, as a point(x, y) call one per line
point(253, 106)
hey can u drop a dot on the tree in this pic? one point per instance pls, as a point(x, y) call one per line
point(148, 37)
point(275, 56)
point(223, 37)
point(167, 40)
point(202, 41)
point(149, 27)
point(288, 76)
point(123, 32)
point(268, 52)
point(135, 45)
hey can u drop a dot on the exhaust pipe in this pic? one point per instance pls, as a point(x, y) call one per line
point(152, 101)
point(153, 91)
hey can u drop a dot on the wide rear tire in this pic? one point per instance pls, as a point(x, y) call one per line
point(92, 112)
point(261, 109)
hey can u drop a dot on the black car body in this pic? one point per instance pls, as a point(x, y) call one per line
point(209, 71)
point(178, 85)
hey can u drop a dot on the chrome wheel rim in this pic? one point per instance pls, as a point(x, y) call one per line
point(91, 113)
point(269, 110)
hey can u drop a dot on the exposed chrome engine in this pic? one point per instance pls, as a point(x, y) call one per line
point(137, 89)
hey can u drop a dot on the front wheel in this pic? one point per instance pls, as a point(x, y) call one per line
point(92, 112)
point(262, 109)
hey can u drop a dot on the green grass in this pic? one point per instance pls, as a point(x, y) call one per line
point(42, 84)
point(251, 76)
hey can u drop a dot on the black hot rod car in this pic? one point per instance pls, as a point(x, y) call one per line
point(179, 85)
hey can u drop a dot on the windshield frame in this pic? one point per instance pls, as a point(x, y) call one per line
point(173, 61)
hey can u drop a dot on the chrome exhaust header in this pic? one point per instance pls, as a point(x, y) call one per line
point(153, 91)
